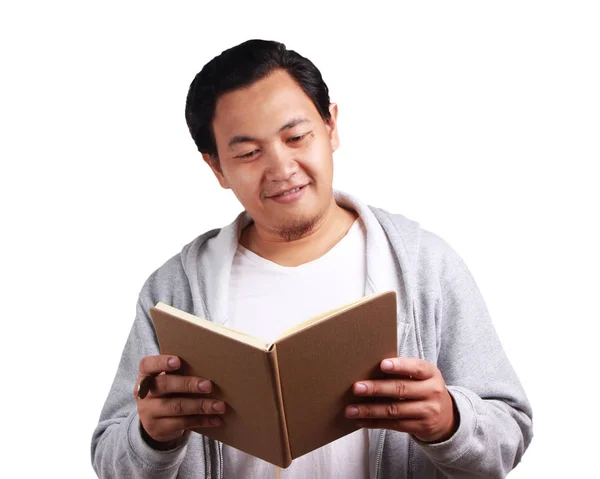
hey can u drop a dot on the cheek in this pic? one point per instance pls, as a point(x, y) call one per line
point(246, 180)
point(319, 161)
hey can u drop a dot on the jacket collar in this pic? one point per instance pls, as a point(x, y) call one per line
point(215, 258)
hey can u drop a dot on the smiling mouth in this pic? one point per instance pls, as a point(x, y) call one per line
point(288, 192)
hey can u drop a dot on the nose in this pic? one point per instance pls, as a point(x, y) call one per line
point(280, 165)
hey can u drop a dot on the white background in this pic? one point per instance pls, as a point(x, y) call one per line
point(480, 120)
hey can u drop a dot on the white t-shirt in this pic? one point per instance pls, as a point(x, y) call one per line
point(281, 297)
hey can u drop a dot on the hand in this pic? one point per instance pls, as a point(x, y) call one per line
point(420, 402)
point(170, 410)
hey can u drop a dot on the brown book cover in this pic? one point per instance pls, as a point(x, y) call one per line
point(286, 398)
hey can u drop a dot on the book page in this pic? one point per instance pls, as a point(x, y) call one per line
point(217, 328)
point(322, 316)
point(319, 363)
point(244, 376)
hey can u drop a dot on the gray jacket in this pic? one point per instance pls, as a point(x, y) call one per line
point(442, 318)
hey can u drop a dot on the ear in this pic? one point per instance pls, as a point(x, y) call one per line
point(215, 166)
point(332, 127)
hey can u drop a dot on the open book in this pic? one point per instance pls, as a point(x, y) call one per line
point(286, 398)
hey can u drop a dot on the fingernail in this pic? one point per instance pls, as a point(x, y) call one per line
point(173, 362)
point(387, 365)
point(218, 406)
point(204, 386)
point(351, 411)
point(360, 388)
point(214, 421)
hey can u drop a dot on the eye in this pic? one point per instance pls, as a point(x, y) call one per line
point(296, 139)
point(247, 155)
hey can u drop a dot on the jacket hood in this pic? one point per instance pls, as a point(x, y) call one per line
point(208, 259)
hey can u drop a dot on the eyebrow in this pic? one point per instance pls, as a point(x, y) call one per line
point(290, 124)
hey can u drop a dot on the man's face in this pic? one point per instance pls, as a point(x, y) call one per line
point(270, 139)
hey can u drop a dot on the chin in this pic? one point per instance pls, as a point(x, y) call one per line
point(296, 228)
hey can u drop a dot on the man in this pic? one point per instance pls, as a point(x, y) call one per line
point(261, 117)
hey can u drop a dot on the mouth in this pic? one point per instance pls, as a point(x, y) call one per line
point(290, 196)
point(287, 192)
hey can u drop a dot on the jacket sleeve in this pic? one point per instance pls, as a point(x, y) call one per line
point(495, 417)
point(118, 449)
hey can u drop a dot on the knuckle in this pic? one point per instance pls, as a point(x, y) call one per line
point(373, 388)
point(161, 384)
point(433, 409)
point(190, 385)
point(205, 405)
point(438, 389)
point(392, 410)
point(176, 407)
point(400, 389)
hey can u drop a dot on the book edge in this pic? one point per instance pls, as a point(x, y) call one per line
point(214, 327)
point(283, 430)
point(329, 314)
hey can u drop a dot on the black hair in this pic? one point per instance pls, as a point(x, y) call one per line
point(240, 67)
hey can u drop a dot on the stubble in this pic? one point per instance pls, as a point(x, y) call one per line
point(296, 229)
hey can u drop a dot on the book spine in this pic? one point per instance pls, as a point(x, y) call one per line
point(285, 440)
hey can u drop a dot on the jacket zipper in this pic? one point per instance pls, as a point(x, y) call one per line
point(379, 454)
point(411, 458)
point(220, 454)
point(207, 460)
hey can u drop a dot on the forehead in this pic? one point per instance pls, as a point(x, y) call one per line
point(262, 108)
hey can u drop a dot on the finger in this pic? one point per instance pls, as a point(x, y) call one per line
point(410, 426)
point(415, 368)
point(152, 365)
point(391, 410)
point(394, 388)
point(171, 383)
point(190, 422)
point(167, 428)
point(182, 406)
point(143, 385)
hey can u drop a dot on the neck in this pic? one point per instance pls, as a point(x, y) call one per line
point(327, 232)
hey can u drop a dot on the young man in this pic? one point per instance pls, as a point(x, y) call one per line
point(261, 117)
